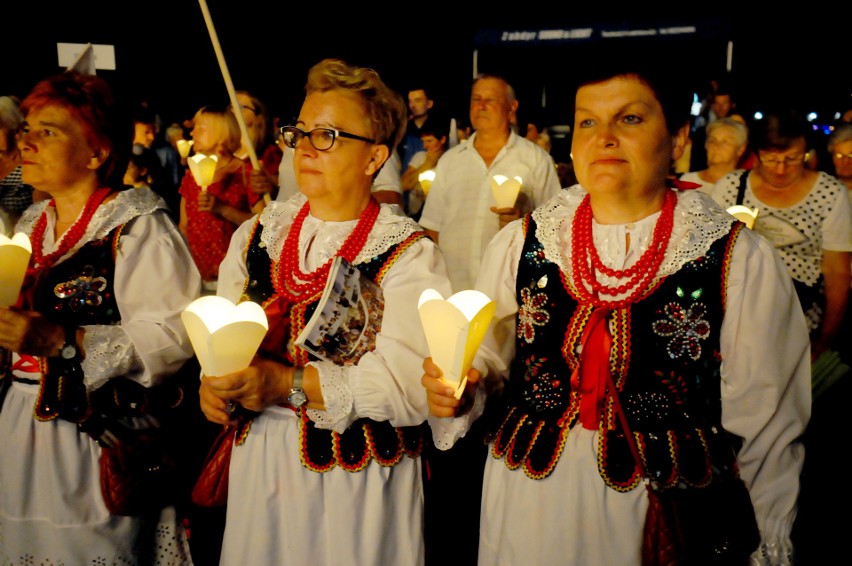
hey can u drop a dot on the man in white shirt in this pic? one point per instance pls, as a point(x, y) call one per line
point(460, 214)
point(460, 208)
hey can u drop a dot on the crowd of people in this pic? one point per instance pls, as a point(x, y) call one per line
point(645, 341)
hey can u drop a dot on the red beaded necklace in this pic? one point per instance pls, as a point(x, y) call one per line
point(69, 238)
point(583, 253)
point(293, 283)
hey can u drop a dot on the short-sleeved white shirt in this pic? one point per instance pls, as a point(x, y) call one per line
point(459, 203)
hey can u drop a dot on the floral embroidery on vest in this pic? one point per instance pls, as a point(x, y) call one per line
point(664, 361)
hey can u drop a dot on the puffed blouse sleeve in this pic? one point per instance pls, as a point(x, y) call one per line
point(232, 271)
point(766, 387)
point(385, 383)
point(155, 279)
point(496, 279)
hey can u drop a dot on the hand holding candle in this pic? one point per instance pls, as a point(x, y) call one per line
point(225, 336)
point(454, 329)
point(203, 168)
point(14, 257)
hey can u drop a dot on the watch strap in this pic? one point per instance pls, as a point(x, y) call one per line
point(297, 398)
point(298, 375)
point(70, 350)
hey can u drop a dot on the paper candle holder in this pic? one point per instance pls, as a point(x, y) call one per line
point(426, 178)
point(744, 214)
point(505, 190)
point(15, 255)
point(225, 336)
point(183, 147)
point(454, 329)
point(203, 168)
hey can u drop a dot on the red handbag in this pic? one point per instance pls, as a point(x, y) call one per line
point(211, 487)
point(137, 475)
point(139, 465)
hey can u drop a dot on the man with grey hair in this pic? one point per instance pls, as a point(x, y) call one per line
point(460, 208)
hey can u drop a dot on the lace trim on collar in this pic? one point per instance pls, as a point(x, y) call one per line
point(697, 224)
point(127, 205)
point(276, 218)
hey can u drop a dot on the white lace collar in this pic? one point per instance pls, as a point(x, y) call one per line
point(325, 238)
point(127, 205)
point(698, 222)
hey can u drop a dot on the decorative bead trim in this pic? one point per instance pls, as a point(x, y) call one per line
point(370, 449)
point(397, 252)
point(727, 259)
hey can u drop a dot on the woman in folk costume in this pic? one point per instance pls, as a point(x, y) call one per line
point(328, 471)
point(624, 291)
point(93, 310)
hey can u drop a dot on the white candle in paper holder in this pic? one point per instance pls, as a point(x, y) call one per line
point(505, 190)
point(183, 147)
point(203, 168)
point(454, 329)
point(426, 178)
point(15, 255)
point(744, 214)
point(225, 336)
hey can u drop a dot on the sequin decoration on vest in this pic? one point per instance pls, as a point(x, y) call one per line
point(664, 360)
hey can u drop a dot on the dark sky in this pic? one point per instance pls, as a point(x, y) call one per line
point(164, 52)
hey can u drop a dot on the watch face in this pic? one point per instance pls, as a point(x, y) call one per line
point(297, 398)
point(68, 352)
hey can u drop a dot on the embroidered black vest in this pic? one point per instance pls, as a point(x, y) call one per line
point(322, 449)
point(77, 292)
point(664, 360)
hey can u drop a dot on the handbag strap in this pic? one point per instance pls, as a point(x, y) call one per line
point(622, 417)
point(741, 187)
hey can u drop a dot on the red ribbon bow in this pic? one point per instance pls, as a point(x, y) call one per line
point(590, 376)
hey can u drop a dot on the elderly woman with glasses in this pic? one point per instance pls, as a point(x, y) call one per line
point(840, 149)
point(326, 468)
point(805, 214)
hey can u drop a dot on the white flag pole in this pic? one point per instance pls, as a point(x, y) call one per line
point(232, 93)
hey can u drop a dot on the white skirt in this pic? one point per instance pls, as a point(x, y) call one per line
point(570, 518)
point(51, 509)
point(279, 512)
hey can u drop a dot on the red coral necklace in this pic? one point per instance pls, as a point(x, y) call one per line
point(584, 254)
point(69, 238)
point(293, 283)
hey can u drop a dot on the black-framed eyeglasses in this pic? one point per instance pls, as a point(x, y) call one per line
point(321, 138)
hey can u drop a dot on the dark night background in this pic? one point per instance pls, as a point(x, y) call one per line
point(164, 53)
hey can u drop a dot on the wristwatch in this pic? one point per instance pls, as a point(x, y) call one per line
point(69, 349)
point(297, 396)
